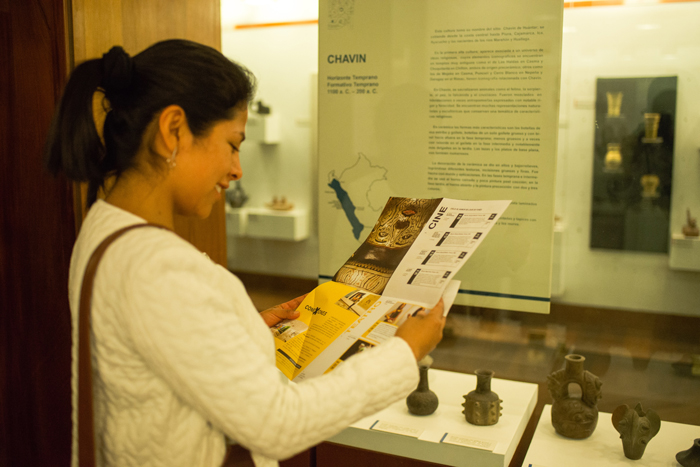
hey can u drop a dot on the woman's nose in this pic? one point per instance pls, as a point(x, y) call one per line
point(236, 170)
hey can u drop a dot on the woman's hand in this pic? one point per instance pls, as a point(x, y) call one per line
point(423, 331)
point(286, 310)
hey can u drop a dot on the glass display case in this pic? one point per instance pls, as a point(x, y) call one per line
point(628, 180)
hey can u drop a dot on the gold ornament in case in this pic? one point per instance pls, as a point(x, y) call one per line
point(614, 103)
point(613, 158)
point(651, 128)
point(650, 184)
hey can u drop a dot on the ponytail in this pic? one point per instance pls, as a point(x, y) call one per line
point(73, 145)
point(207, 85)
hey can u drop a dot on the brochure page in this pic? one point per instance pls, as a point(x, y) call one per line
point(338, 321)
point(404, 267)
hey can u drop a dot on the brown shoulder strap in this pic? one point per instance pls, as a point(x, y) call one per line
point(236, 455)
point(86, 431)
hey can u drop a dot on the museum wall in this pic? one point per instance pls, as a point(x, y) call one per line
point(284, 61)
point(599, 42)
point(622, 42)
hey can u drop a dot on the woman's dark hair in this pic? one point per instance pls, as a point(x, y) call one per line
point(207, 85)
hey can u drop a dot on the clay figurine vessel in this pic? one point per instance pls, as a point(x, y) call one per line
point(423, 401)
point(574, 417)
point(691, 228)
point(636, 429)
point(690, 457)
point(482, 406)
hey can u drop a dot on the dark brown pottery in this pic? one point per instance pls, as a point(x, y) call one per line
point(482, 406)
point(574, 417)
point(636, 428)
point(690, 457)
point(423, 401)
point(236, 197)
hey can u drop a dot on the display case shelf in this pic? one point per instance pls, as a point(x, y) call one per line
point(519, 400)
point(292, 225)
point(684, 253)
point(604, 447)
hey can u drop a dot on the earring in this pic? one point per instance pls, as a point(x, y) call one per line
point(171, 160)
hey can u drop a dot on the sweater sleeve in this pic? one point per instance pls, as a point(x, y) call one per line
point(199, 338)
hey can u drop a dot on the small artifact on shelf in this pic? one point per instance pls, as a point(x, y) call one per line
point(236, 197)
point(260, 108)
point(613, 158)
point(280, 204)
point(482, 406)
point(636, 428)
point(691, 228)
point(423, 401)
point(614, 103)
point(650, 183)
point(651, 128)
point(690, 457)
point(574, 417)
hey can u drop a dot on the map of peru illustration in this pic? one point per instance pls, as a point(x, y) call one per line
point(357, 194)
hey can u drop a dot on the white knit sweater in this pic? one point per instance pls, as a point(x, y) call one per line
point(181, 357)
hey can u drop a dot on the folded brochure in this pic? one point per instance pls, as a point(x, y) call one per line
point(405, 265)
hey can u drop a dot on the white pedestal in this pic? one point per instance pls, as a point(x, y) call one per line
point(290, 225)
point(604, 447)
point(519, 401)
point(236, 221)
point(263, 129)
point(684, 253)
point(268, 224)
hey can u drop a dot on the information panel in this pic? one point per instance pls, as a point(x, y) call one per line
point(421, 99)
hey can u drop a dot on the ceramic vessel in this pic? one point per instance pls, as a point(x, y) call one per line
point(423, 401)
point(482, 406)
point(572, 416)
point(690, 457)
point(280, 204)
point(636, 428)
point(691, 228)
point(236, 196)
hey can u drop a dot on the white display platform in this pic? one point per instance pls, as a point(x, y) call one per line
point(604, 447)
point(519, 401)
point(292, 225)
point(684, 253)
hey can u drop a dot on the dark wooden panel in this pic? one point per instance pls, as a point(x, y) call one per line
point(136, 24)
point(304, 459)
point(36, 238)
point(337, 455)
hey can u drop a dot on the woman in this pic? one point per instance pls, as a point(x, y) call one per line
point(181, 357)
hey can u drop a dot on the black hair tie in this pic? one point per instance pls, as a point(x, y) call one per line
point(117, 70)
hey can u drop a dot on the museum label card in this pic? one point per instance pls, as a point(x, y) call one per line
point(390, 427)
point(476, 443)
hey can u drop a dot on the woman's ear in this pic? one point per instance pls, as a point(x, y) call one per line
point(172, 129)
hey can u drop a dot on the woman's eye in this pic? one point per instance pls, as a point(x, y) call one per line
point(233, 148)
